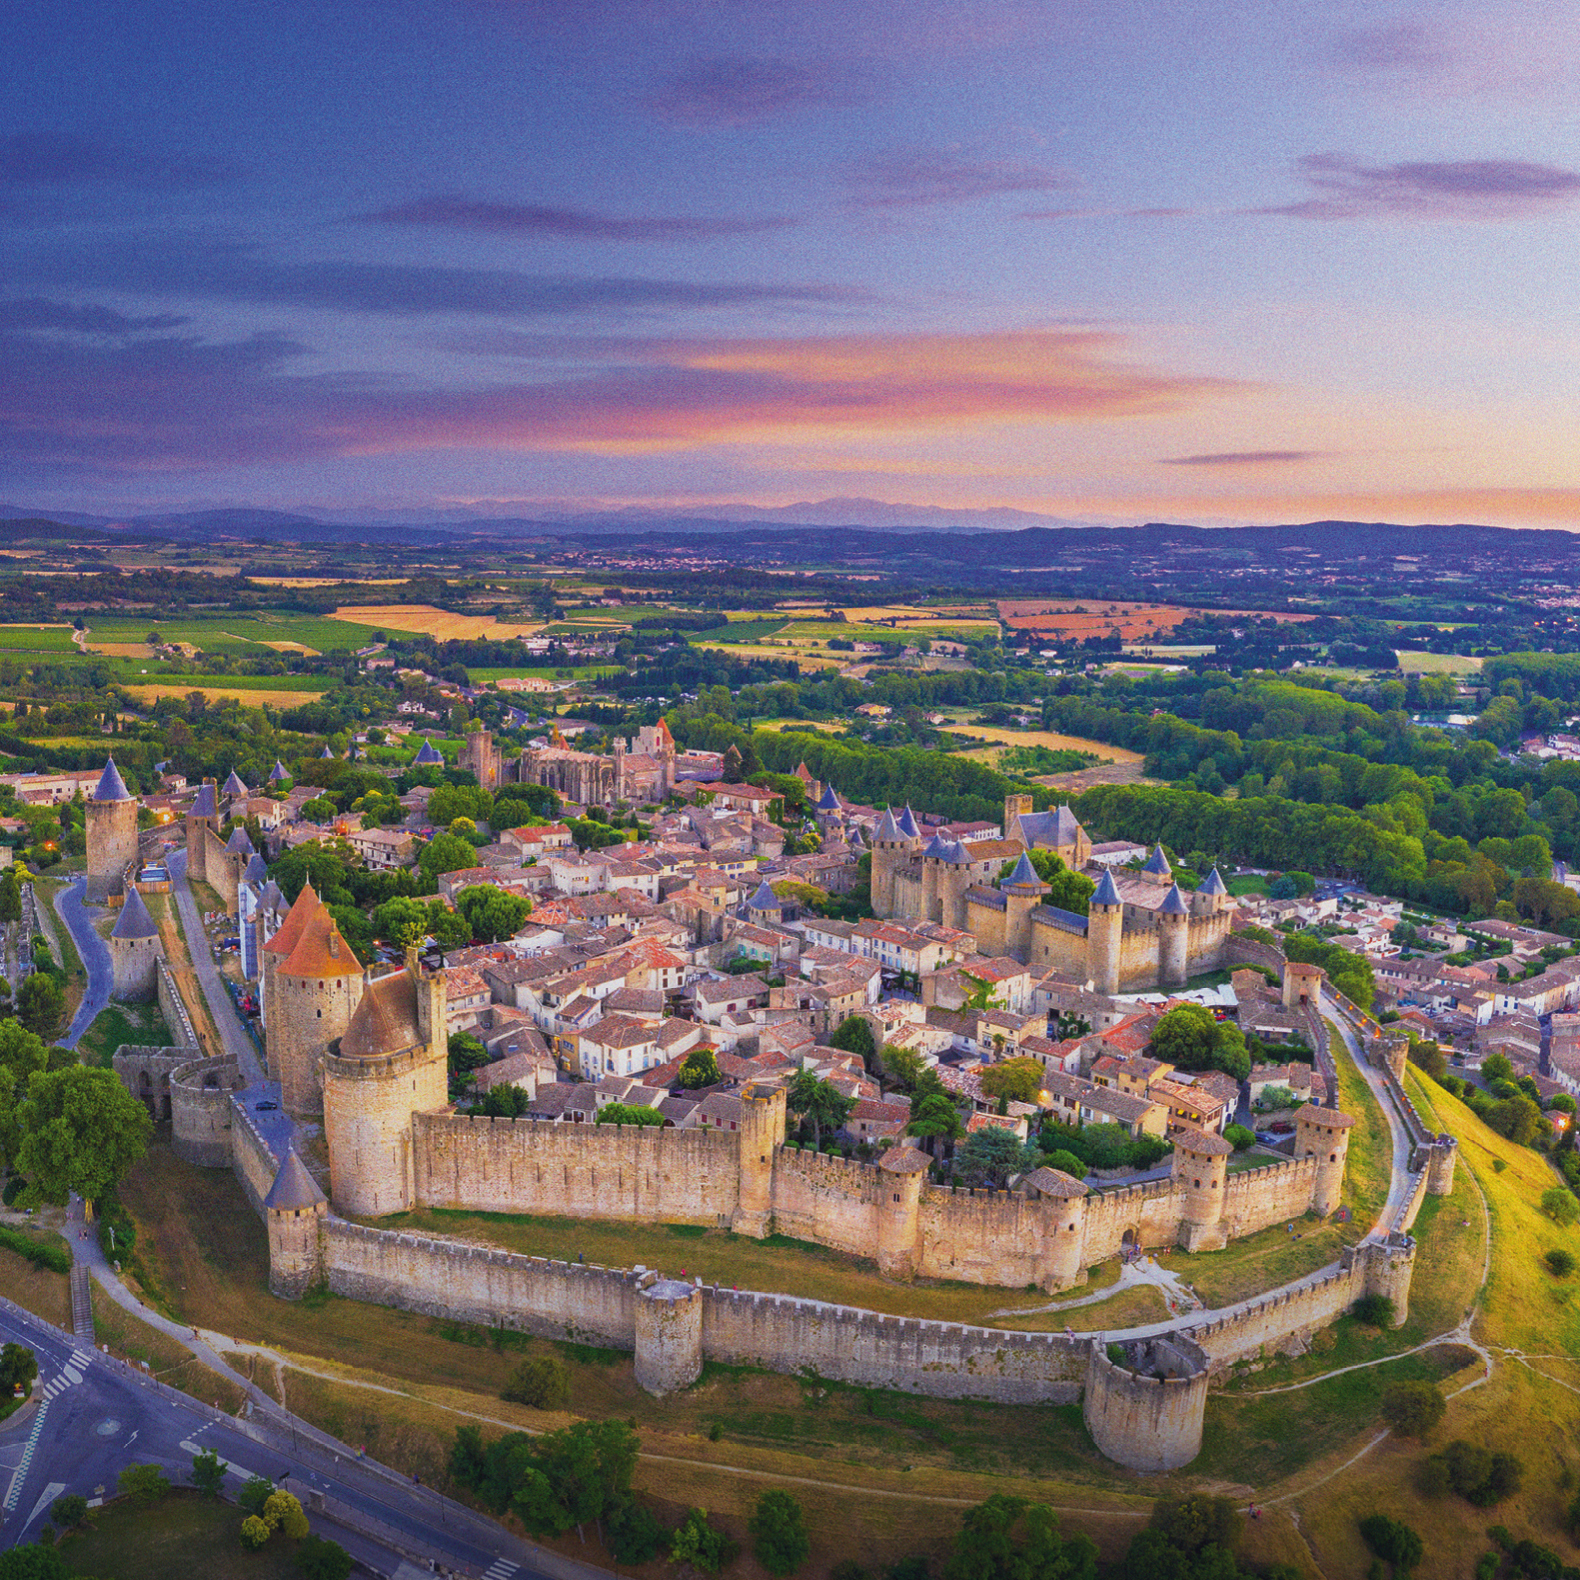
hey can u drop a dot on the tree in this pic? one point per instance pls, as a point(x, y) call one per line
point(143, 1485)
point(571, 1476)
point(283, 1512)
point(1190, 1039)
point(1560, 1263)
point(1019, 1079)
point(35, 1561)
point(444, 853)
point(1392, 1540)
point(1009, 1538)
point(542, 1382)
point(41, 1005)
point(10, 897)
point(1412, 1408)
point(318, 1558)
point(466, 1053)
point(401, 922)
point(255, 1492)
point(935, 1118)
point(1239, 1136)
point(492, 913)
point(819, 1103)
point(66, 1513)
point(22, 1055)
point(780, 1540)
point(632, 1533)
point(81, 1131)
point(992, 1156)
point(1066, 1163)
point(450, 929)
point(208, 1473)
point(18, 1368)
point(630, 1114)
point(700, 1067)
point(255, 1533)
point(854, 1035)
point(696, 1545)
point(1198, 1521)
point(1496, 1067)
point(320, 809)
point(1560, 1205)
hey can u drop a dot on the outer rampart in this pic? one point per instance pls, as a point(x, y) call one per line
point(172, 1009)
point(1149, 1213)
point(578, 1171)
point(251, 1156)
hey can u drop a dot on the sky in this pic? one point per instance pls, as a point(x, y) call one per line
point(1099, 260)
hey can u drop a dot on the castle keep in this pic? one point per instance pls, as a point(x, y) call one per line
point(1141, 931)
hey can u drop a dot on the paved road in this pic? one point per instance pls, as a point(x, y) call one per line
point(73, 911)
point(236, 1040)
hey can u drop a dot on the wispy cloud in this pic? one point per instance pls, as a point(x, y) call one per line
point(538, 219)
point(54, 159)
point(1391, 46)
point(1245, 458)
point(177, 403)
point(187, 271)
point(37, 312)
point(1465, 189)
point(742, 91)
point(919, 177)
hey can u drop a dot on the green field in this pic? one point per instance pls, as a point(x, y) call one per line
point(740, 630)
point(1438, 663)
point(485, 674)
point(242, 634)
point(35, 639)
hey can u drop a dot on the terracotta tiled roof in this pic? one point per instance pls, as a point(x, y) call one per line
point(385, 1021)
point(320, 950)
point(290, 930)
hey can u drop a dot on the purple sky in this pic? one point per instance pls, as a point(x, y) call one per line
point(1106, 261)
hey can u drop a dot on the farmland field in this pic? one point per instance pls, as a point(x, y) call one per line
point(423, 619)
point(1438, 663)
point(248, 688)
point(234, 634)
point(1048, 738)
point(35, 638)
point(1135, 622)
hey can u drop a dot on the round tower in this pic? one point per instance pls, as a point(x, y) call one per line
point(294, 1210)
point(135, 950)
point(1146, 1414)
point(901, 1172)
point(1064, 1233)
point(202, 820)
point(1324, 1134)
point(1392, 1050)
point(1105, 921)
point(1389, 1265)
point(111, 815)
point(1200, 1168)
point(390, 1064)
point(890, 847)
point(1023, 892)
point(316, 991)
point(276, 948)
point(1173, 939)
point(762, 1133)
point(668, 1336)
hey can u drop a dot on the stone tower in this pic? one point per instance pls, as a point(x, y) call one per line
point(668, 1336)
point(1324, 1134)
point(1200, 1167)
point(1173, 939)
point(202, 821)
point(391, 1063)
point(1105, 924)
point(762, 1134)
point(1023, 892)
point(295, 1210)
point(480, 754)
point(901, 1173)
point(112, 835)
point(135, 950)
point(1064, 1197)
point(1302, 984)
point(891, 847)
point(317, 988)
point(1389, 1265)
point(277, 948)
point(1209, 898)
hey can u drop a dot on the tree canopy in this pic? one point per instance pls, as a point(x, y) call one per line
point(81, 1131)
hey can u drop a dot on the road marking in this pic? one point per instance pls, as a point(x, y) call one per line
point(194, 1449)
point(49, 1494)
point(19, 1475)
point(500, 1569)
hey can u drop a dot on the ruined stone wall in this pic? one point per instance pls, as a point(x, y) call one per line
point(1262, 1197)
point(145, 1073)
point(826, 1199)
point(200, 1116)
point(469, 1283)
point(577, 1171)
point(251, 1157)
point(1150, 1212)
point(985, 1236)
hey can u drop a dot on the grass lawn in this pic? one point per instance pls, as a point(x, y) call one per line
point(135, 1340)
point(1246, 883)
point(182, 1538)
point(139, 1025)
point(44, 1293)
point(1437, 663)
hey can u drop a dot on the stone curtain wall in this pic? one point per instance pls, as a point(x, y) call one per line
point(988, 1237)
point(1149, 1212)
point(830, 1200)
point(251, 1157)
point(577, 1171)
point(1259, 1198)
point(468, 1283)
point(173, 1010)
point(1238, 950)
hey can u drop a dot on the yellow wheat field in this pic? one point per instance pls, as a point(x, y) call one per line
point(440, 624)
point(251, 699)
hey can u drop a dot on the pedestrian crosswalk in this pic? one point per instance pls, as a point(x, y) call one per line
point(70, 1374)
point(500, 1569)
